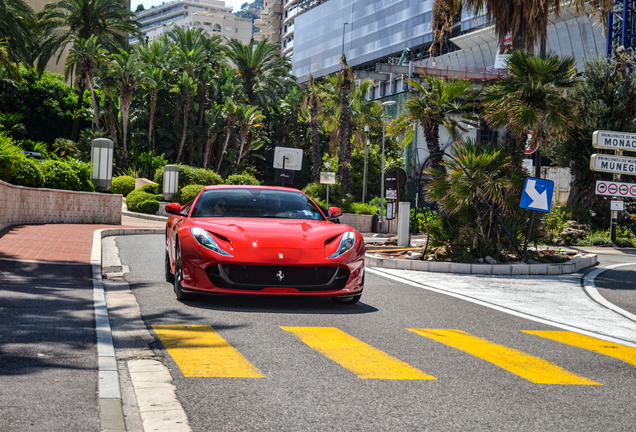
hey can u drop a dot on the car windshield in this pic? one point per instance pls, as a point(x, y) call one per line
point(255, 203)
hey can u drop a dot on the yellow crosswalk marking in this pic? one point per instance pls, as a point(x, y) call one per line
point(529, 367)
point(621, 352)
point(200, 351)
point(360, 358)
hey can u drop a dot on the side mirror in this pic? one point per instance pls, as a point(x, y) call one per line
point(334, 212)
point(174, 208)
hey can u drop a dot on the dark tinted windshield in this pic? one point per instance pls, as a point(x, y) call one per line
point(255, 203)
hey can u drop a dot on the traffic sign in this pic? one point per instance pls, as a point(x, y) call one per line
point(614, 140)
point(613, 164)
point(537, 195)
point(612, 188)
point(327, 177)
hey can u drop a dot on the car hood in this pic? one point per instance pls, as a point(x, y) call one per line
point(270, 240)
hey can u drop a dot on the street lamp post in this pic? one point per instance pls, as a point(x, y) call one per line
point(384, 105)
point(344, 26)
point(366, 155)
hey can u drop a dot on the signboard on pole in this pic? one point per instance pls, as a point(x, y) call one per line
point(614, 140)
point(613, 164)
point(286, 158)
point(537, 195)
point(327, 177)
point(612, 188)
point(617, 205)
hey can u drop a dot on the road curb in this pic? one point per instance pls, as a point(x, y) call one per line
point(111, 410)
point(589, 286)
point(572, 266)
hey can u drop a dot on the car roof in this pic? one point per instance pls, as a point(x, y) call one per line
point(280, 188)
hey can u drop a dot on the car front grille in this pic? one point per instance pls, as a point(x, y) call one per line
point(255, 277)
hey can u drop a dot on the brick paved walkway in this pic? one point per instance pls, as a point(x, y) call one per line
point(64, 243)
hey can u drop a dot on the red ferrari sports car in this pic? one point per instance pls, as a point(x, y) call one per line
point(262, 240)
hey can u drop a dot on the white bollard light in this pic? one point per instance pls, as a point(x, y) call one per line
point(102, 160)
point(170, 181)
point(403, 224)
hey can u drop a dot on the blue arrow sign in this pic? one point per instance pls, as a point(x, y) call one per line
point(537, 195)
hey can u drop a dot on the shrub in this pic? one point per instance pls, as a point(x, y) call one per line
point(359, 208)
point(10, 158)
point(192, 176)
point(28, 173)
point(123, 185)
point(242, 179)
point(83, 171)
point(152, 189)
point(60, 175)
point(187, 194)
point(623, 242)
point(146, 164)
point(143, 202)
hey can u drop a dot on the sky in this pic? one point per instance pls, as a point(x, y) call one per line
point(236, 4)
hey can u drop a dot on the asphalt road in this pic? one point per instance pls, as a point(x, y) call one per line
point(302, 389)
point(619, 285)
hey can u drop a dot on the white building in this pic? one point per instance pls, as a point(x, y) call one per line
point(211, 15)
point(277, 23)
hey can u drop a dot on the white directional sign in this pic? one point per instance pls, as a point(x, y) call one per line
point(614, 140)
point(327, 178)
point(537, 194)
point(612, 188)
point(613, 164)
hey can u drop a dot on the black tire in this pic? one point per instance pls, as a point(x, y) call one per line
point(169, 274)
point(178, 275)
point(347, 300)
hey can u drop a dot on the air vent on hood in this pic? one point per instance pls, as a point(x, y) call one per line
point(220, 237)
point(331, 239)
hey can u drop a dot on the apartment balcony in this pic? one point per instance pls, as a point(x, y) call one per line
point(274, 24)
point(275, 8)
point(261, 23)
point(275, 38)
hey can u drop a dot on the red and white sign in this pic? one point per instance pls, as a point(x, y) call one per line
point(612, 188)
point(531, 146)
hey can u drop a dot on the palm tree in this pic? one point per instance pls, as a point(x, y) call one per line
point(18, 23)
point(6, 62)
point(364, 112)
point(155, 56)
point(313, 103)
point(437, 104)
point(265, 73)
point(532, 98)
point(526, 21)
point(81, 62)
point(249, 117)
point(65, 20)
point(214, 118)
point(346, 86)
point(125, 73)
point(230, 109)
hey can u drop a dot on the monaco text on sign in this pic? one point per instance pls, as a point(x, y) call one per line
point(613, 164)
point(611, 188)
point(614, 140)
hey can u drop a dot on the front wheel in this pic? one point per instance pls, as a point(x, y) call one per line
point(178, 275)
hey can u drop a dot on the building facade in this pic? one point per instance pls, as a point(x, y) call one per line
point(277, 23)
point(211, 15)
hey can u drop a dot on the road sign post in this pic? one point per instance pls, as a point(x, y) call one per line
point(536, 196)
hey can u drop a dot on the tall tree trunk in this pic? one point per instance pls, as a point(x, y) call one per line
point(315, 141)
point(227, 139)
point(94, 101)
point(344, 156)
point(208, 146)
point(151, 127)
point(124, 99)
point(431, 134)
point(243, 133)
point(76, 121)
point(186, 113)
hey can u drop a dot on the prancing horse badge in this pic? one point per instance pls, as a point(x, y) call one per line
point(280, 256)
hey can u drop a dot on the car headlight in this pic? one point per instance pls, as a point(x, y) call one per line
point(205, 239)
point(347, 242)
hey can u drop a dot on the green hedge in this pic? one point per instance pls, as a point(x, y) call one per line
point(28, 173)
point(242, 179)
point(187, 194)
point(142, 200)
point(192, 176)
point(60, 175)
point(11, 158)
point(123, 185)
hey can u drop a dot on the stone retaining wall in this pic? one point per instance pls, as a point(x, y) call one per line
point(362, 223)
point(23, 205)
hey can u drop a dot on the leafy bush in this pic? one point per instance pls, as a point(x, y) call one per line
point(359, 208)
point(28, 173)
point(152, 189)
point(141, 201)
point(318, 191)
point(192, 176)
point(60, 175)
point(242, 179)
point(146, 164)
point(187, 194)
point(123, 185)
point(11, 157)
point(83, 171)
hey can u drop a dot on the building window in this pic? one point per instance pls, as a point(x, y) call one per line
point(236, 30)
point(216, 28)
